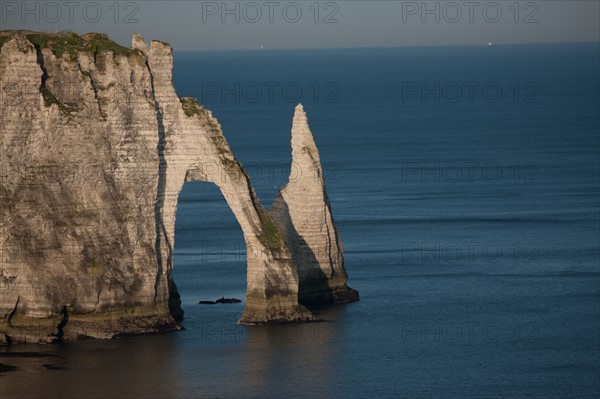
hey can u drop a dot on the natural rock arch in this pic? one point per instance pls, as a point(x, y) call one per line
point(192, 147)
point(87, 251)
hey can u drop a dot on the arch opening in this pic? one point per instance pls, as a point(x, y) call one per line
point(210, 252)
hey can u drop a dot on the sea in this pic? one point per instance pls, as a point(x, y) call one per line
point(465, 185)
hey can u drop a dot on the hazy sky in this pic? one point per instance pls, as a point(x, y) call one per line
point(214, 25)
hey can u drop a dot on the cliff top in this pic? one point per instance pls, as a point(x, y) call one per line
point(61, 42)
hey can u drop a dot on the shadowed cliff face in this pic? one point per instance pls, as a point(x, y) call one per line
point(302, 210)
point(95, 149)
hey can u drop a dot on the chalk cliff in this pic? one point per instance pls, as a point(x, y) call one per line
point(95, 147)
point(302, 210)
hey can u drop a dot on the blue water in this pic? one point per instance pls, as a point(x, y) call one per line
point(470, 221)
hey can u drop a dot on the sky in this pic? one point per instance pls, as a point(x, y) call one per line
point(232, 25)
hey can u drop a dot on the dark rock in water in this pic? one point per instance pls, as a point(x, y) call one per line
point(228, 300)
point(6, 367)
point(221, 300)
point(53, 367)
point(26, 354)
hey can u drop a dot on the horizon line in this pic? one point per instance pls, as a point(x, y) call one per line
point(483, 45)
point(257, 49)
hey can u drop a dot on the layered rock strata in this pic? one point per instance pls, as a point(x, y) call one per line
point(303, 211)
point(95, 147)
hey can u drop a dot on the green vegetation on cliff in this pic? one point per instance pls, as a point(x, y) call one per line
point(271, 235)
point(4, 39)
point(190, 106)
point(70, 42)
point(49, 97)
point(59, 44)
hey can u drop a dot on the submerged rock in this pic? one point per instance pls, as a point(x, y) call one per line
point(220, 300)
point(228, 300)
point(7, 367)
point(54, 367)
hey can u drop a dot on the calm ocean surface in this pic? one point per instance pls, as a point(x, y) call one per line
point(465, 184)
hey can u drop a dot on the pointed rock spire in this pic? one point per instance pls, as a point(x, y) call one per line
point(304, 150)
point(303, 212)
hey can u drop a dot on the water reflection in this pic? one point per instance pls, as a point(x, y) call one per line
point(226, 360)
point(209, 359)
point(297, 358)
point(131, 367)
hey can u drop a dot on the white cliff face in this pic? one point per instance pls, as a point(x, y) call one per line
point(94, 150)
point(79, 176)
point(193, 147)
point(302, 210)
